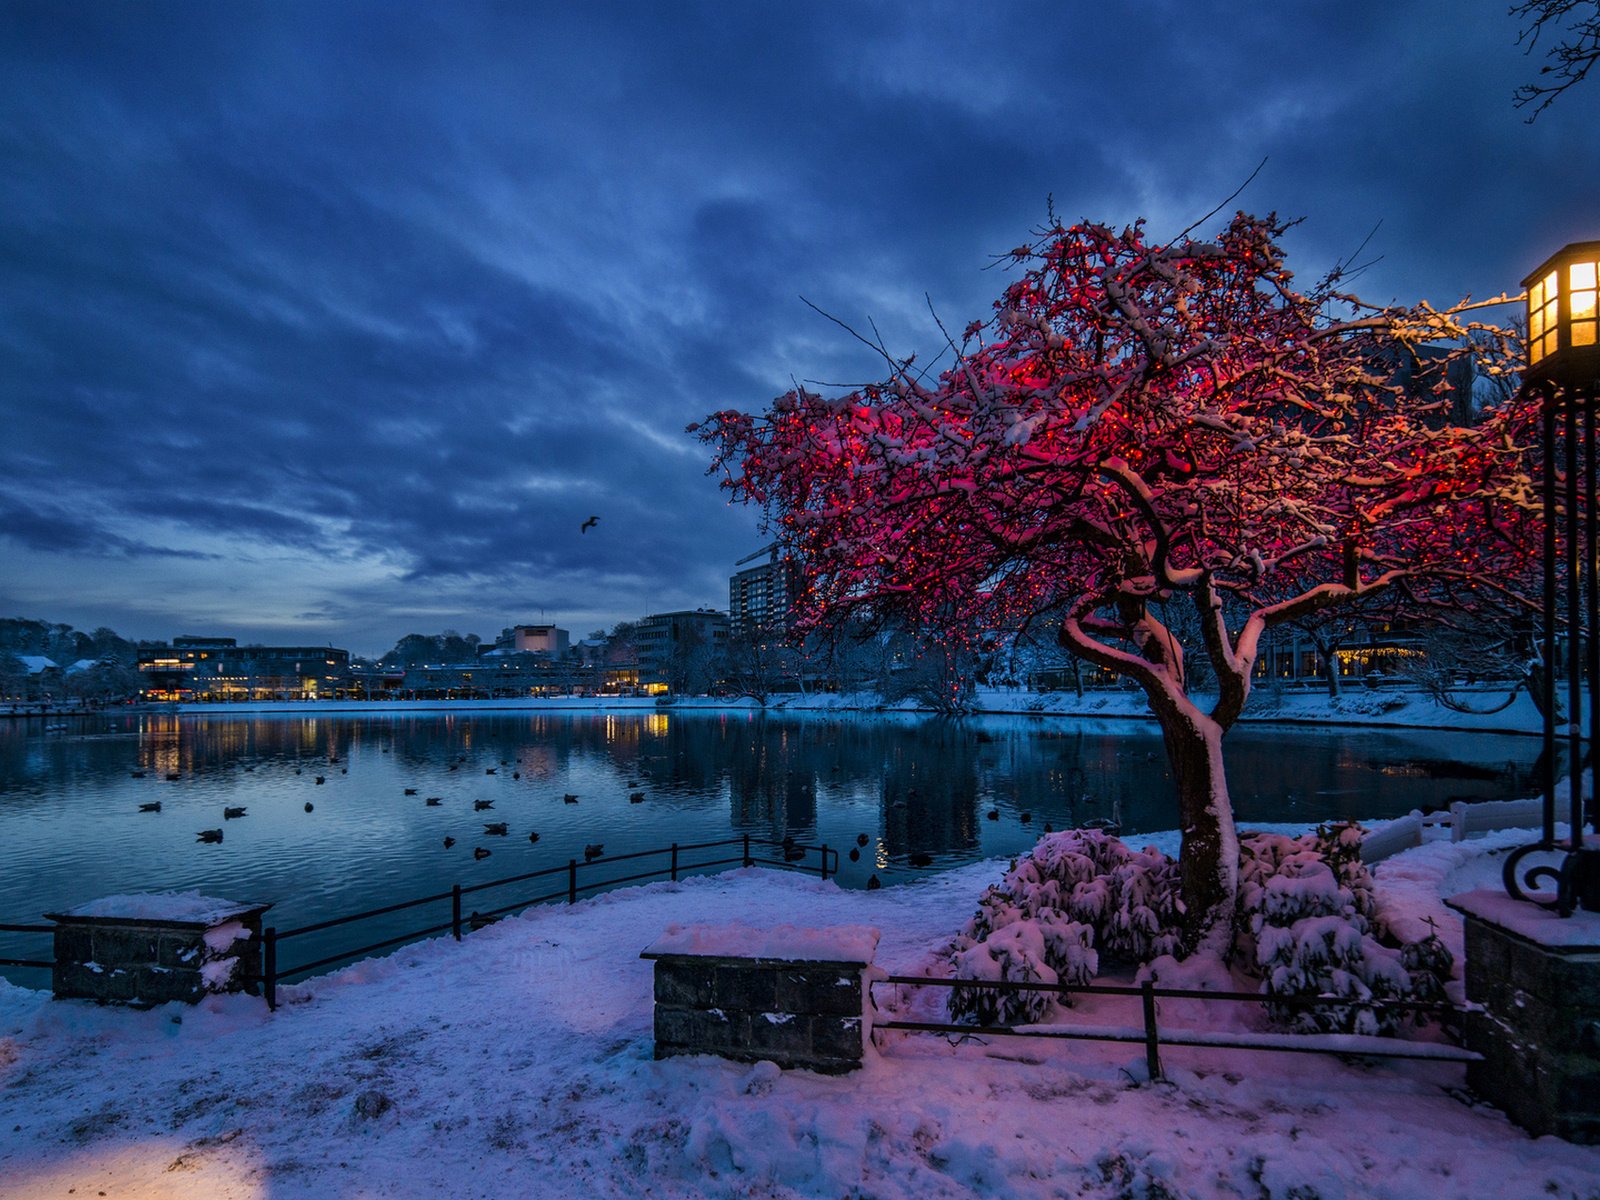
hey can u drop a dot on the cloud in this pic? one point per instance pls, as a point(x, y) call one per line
point(394, 296)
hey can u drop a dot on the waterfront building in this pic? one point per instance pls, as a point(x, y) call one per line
point(217, 668)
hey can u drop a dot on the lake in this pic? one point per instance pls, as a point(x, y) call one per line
point(71, 829)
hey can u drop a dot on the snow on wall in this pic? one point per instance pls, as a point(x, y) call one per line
point(838, 943)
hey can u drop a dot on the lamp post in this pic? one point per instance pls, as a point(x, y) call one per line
point(1564, 371)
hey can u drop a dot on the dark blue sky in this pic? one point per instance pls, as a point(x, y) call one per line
point(333, 321)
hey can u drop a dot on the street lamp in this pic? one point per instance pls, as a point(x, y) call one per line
point(1564, 372)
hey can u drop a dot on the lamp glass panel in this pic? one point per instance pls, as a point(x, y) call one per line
point(1536, 324)
point(1583, 333)
point(1582, 305)
point(1549, 343)
point(1581, 275)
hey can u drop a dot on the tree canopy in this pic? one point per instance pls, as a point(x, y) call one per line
point(1145, 423)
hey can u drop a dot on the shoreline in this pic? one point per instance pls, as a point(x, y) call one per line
point(1355, 709)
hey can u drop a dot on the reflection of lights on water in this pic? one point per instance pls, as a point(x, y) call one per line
point(656, 723)
point(880, 855)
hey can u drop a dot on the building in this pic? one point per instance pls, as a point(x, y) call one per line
point(213, 668)
point(682, 652)
point(533, 639)
point(760, 597)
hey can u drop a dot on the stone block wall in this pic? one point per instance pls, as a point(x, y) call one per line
point(795, 1013)
point(1539, 1026)
point(143, 961)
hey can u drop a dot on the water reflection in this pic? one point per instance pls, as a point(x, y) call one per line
point(920, 789)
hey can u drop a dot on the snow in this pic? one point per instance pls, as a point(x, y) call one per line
point(519, 1063)
point(796, 943)
point(1580, 931)
point(187, 908)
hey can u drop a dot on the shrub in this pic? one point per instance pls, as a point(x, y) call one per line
point(1304, 924)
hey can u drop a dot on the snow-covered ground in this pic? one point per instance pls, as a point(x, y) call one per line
point(519, 1063)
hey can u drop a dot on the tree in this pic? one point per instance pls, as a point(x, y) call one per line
point(1574, 28)
point(1142, 425)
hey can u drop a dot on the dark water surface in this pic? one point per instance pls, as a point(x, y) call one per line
point(70, 829)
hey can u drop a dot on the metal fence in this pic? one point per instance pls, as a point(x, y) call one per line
point(1153, 1038)
point(44, 964)
point(672, 862)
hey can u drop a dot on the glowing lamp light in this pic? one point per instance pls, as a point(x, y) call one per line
point(1564, 317)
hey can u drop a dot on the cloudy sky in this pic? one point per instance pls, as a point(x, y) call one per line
point(330, 322)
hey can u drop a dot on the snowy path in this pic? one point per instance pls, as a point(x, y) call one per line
point(519, 1064)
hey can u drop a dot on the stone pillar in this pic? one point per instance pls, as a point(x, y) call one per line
point(1537, 978)
point(152, 948)
point(789, 995)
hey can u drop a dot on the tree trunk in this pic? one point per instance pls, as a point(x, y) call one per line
point(1209, 859)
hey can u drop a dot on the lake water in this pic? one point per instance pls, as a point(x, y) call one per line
point(71, 829)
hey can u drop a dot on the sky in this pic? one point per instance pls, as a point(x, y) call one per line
point(331, 322)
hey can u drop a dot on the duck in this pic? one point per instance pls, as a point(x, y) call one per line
point(320, 779)
point(1048, 828)
point(476, 921)
point(920, 860)
point(480, 853)
point(516, 774)
point(173, 777)
point(594, 851)
point(496, 829)
point(533, 837)
point(411, 791)
point(308, 806)
point(229, 814)
point(298, 771)
point(1025, 818)
point(433, 801)
point(873, 883)
point(855, 854)
point(448, 842)
point(208, 835)
point(570, 798)
point(453, 766)
point(491, 770)
point(136, 774)
point(636, 798)
point(862, 839)
point(480, 805)
point(155, 807)
point(993, 814)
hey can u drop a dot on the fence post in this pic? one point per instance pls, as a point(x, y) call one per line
point(674, 862)
point(269, 966)
point(455, 910)
point(1152, 1050)
point(572, 881)
point(748, 861)
point(824, 860)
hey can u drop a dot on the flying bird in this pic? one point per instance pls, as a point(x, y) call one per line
point(589, 524)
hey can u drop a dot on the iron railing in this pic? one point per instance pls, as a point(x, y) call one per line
point(1150, 1034)
point(795, 857)
point(46, 964)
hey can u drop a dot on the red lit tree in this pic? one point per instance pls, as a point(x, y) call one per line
point(1142, 425)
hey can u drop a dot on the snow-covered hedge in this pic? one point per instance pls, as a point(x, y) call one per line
point(1305, 927)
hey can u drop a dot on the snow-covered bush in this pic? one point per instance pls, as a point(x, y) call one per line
point(1078, 890)
point(1306, 925)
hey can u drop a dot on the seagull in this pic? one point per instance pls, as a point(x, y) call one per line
point(156, 807)
point(229, 814)
point(589, 524)
point(433, 801)
point(480, 805)
point(496, 829)
point(208, 835)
